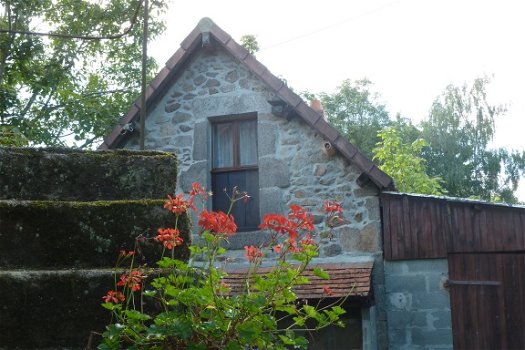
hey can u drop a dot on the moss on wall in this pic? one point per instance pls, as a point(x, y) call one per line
point(51, 234)
point(66, 174)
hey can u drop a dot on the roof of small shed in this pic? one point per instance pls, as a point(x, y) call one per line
point(348, 279)
point(296, 106)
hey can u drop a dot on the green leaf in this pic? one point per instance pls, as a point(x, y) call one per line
point(135, 315)
point(319, 272)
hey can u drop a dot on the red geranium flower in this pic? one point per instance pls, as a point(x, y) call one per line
point(198, 190)
point(133, 281)
point(328, 291)
point(169, 237)
point(332, 207)
point(308, 240)
point(178, 205)
point(253, 253)
point(217, 222)
point(279, 224)
point(114, 297)
point(301, 217)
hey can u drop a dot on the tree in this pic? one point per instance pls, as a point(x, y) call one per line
point(355, 111)
point(404, 163)
point(249, 42)
point(459, 129)
point(54, 90)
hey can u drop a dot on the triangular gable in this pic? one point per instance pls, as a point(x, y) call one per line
point(295, 105)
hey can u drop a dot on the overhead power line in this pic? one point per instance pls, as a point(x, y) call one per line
point(301, 36)
point(80, 37)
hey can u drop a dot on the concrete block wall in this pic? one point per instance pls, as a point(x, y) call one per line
point(417, 304)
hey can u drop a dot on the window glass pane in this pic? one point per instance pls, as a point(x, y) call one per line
point(223, 146)
point(248, 142)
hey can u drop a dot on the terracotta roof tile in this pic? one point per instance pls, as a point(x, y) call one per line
point(289, 96)
point(345, 279)
point(175, 58)
point(159, 79)
point(309, 115)
point(326, 130)
point(272, 81)
point(189, 42)
point(220, 34)
point(255, 66)
point(237, 50)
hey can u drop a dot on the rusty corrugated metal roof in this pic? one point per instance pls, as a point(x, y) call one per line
point(353, 279)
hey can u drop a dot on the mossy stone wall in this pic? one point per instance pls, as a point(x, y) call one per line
point(65, 174)
point(64, 217)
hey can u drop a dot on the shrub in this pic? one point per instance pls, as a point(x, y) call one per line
point(193, 306)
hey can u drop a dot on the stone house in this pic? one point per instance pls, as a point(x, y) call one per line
point(233, 123)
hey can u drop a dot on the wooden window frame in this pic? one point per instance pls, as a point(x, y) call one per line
point(235, 121)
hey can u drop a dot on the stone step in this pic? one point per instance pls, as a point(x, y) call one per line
point(52, 309)
point(68, 174)
point(59, 234)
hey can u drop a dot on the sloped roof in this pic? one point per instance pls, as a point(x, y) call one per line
point(193, 42)
point(353, 279)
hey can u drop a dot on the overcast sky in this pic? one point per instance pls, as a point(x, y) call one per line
point(410, 49)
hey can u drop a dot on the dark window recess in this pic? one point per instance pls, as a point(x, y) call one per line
point(235, 164)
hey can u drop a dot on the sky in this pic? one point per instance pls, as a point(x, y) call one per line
point(410, 49)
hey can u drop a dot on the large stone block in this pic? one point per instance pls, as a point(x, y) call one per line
point(270, 201)
point(267, 138)
point(273, 173)
point(52, 234)
point(197, 172)
point(68, 174)
point(200, 141)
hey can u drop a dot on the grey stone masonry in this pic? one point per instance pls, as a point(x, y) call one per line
point(418, 305)
point(293, 169)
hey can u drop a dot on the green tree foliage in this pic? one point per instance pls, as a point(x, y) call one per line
point(458, 130)
point(249, 42)
point(404, 163)
point(355, 111)
point(54, 90)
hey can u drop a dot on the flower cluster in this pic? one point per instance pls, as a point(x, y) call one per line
point(298, 219)
point(253, 254)
point(169, 237)
point(114, 297)
point(217, 222)
point(178, 205)
point(133, 281)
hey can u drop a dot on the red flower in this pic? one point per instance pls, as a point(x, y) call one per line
point(114, 297)
point(279, 224)
point(178, 205)
point(308, 240)
point(278, 248)
point(123, 253)
point(198, 190)
point(301, 217)
point(253, 253)
point(169, 237)
point(328, 291)
point(217, 222)
point(133, 281)
point(332, 207)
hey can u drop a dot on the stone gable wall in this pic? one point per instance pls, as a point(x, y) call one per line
point(292, 166)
